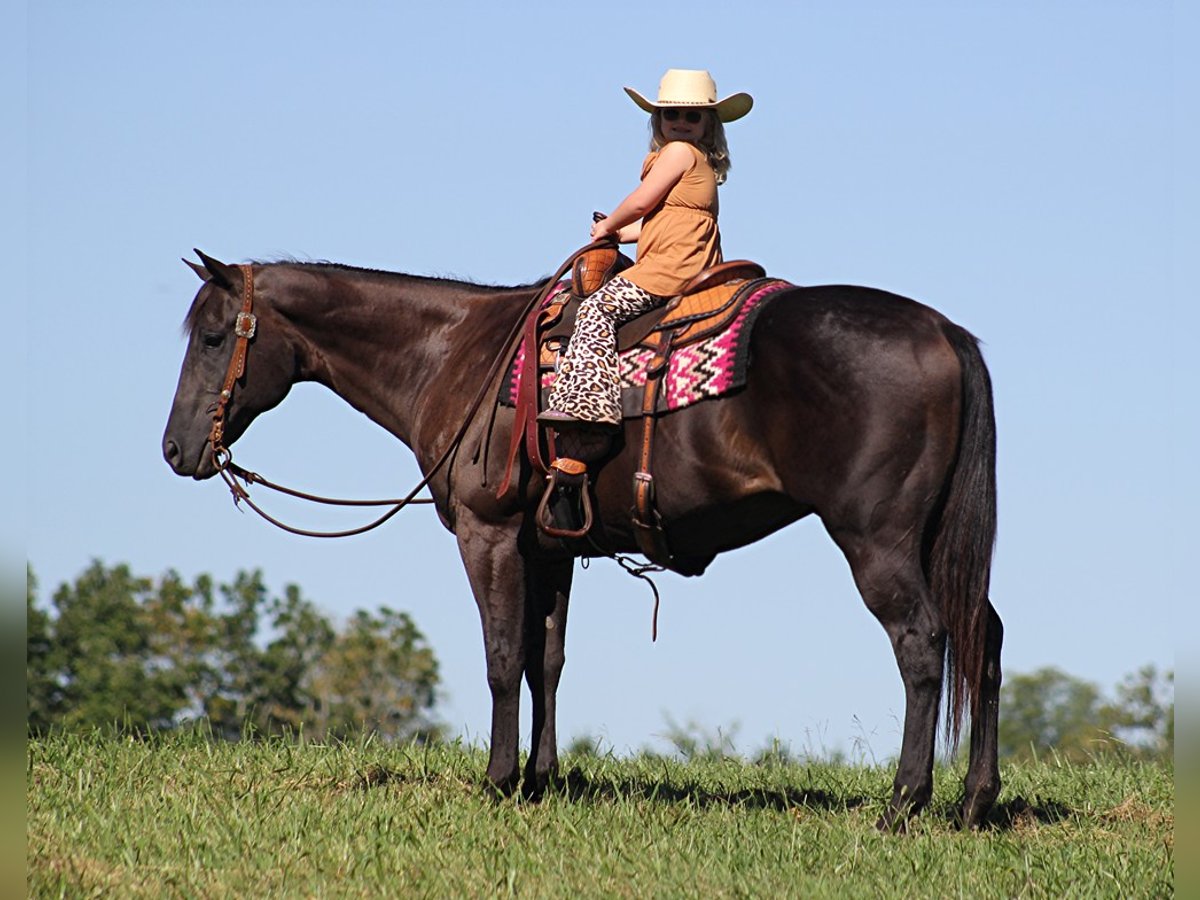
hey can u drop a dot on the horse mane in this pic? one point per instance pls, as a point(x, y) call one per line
point(381, 275)
point(386, 275)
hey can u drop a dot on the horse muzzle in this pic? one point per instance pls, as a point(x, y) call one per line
point(197, 465)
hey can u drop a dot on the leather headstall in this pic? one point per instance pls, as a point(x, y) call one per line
point(244, 327)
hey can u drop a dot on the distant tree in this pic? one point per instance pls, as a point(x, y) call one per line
point(378, 676)
point(262, 688)
point(102, 655)
point(186, 640)
point(1049, 710)
point(121, 650)
point(1143, 712)
point(282, 699)
point(41, 686)
point(228, 698)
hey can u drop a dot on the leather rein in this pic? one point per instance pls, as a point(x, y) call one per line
point(246, 326)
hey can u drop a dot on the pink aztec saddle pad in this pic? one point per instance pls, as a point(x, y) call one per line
point(708, 368)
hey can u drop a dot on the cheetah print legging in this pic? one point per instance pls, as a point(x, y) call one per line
point(588, 386)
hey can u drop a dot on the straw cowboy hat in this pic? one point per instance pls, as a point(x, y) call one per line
point(694, 87)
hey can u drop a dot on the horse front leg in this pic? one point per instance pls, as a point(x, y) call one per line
point(548, 589)
point(497, 576)
point(982, 785)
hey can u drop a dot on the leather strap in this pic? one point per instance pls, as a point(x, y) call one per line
point(528, 389)
point(651, 539)
point(525, 425)
point(569, 466)
point(244, 328)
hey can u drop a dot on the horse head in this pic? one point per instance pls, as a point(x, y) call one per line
point(215, 328)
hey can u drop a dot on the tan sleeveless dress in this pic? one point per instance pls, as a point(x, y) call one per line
point(679, 237)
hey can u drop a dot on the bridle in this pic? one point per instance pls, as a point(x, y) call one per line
point(244, 329)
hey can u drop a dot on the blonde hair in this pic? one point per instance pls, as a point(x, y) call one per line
point(712, 142)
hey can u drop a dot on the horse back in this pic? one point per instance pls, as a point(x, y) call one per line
point(850, 390)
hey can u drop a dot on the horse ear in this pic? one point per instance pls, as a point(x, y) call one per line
point(222, 275)
point(198, 269)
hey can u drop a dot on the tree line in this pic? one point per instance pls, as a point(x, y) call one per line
point(116, 649)
point(119, 650)
point(1051, 712)
point(1043, 714)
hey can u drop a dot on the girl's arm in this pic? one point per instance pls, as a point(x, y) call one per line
point(675, 159)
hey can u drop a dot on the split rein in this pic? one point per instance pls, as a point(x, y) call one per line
point(245, 327)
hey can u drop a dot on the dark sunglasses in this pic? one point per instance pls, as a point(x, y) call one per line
point(691, 116)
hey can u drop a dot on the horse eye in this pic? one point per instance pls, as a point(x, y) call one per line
point(213, 339)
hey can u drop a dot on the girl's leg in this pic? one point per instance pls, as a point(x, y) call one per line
point(588, 386)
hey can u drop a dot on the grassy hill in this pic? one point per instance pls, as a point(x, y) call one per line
point(183, 816)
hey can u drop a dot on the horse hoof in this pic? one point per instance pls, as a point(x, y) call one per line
point(537, 784)
point(973, 816)
point(892, 823)
point(502, 788)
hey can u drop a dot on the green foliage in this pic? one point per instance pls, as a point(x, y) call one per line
point(692, 741)
point(584, 745)
point(41, 690)
point(180, 815)
point(1143, 713)
point(776, 753)
point(123, 651)
point(103, 657)
point(378, 676)
point(1049, 711)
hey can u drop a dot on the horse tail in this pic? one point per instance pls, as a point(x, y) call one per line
point(964, 536)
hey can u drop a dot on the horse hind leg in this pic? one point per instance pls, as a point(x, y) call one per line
point(982, 785)
point(548, 588)
point(892, 583)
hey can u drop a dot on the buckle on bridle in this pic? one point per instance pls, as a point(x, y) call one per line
point(245, 325)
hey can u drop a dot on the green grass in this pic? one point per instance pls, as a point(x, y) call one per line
point(183, 816)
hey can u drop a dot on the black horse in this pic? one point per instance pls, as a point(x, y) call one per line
point(868, 409)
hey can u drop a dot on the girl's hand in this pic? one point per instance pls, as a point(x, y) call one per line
point(600, 229)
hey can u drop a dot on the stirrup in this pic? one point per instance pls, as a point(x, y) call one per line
point(567, 477)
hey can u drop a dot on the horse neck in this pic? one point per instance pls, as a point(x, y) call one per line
point(408, 352)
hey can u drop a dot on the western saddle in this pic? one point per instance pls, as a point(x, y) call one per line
point(707, 304)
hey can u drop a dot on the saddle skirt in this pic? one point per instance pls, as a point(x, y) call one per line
point(705, 331)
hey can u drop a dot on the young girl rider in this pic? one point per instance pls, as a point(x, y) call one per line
point(672, 215)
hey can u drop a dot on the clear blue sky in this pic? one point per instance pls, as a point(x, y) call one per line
point(1020, 167)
